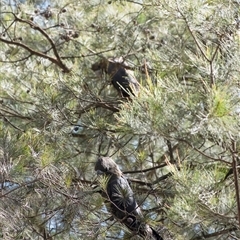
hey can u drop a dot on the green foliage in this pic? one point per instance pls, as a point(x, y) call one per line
point(176, 140)
point(220, 105)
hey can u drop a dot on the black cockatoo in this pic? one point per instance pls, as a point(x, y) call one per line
point(121, 77)
point(123, 205)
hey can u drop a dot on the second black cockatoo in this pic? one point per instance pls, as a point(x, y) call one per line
point(121, 77)
point(123, 204)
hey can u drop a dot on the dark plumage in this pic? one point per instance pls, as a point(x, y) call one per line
point(121, 77)
point(122, 201)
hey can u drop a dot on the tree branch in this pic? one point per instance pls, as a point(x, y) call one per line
point(33, 52)
point(56, 60)
point(202, 153)
point(215, 234)
point(235, 174)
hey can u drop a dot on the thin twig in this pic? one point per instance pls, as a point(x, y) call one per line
point(235, 174)
point(215, 234)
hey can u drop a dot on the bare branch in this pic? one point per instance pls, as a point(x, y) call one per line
point(33, 52)
point(215, 234)
point(235, 174)
point(56, 60)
